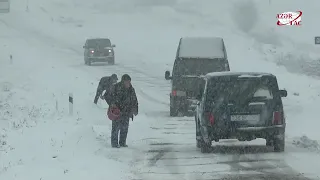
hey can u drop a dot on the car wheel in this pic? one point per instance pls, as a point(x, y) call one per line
point(278, 145)
point(198, 141)
point(173, 111)
point(205, 147)
point(111, 62)
point(268, 142)
point(89, 62)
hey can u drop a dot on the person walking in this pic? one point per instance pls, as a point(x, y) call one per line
point(123, 97)
point(104, 85)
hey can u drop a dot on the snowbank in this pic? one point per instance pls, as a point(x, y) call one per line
point(307, 143)
point(38, 138)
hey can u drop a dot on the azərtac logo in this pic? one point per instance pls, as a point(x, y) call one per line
point(289, 18)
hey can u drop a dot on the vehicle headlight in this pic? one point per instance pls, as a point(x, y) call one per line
point(110, 50)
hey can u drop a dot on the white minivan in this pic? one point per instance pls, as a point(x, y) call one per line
point(4, 6)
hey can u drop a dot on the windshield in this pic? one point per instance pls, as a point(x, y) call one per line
point(239, 90)
point(98, 42)
point(199, 66)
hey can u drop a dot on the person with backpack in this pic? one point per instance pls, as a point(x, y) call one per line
point(122, 98)
point(104, 85)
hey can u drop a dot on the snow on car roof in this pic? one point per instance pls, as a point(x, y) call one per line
point(201, 47)
point(98, 39)
point(239, 74)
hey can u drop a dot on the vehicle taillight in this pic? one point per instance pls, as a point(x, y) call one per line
point(174, 93)
point(211, 119)
point(277, 118)
point(92, 51)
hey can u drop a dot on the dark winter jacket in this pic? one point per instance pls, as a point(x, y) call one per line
point(104, 84)
point(124, 98)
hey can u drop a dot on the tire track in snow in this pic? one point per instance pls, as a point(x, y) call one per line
point(172, 155)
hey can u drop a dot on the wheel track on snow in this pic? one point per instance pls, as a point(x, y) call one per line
point(168, 159)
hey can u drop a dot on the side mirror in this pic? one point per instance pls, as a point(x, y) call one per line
point(283, 93)
point(84, 46)
point(167, 75)
point(113, 45)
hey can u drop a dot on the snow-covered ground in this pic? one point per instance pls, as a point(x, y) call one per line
point(40, 140)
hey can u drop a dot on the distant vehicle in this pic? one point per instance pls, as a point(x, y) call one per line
point(196, 56)
point(242, 106)
point(4, 6)
point(98, 50)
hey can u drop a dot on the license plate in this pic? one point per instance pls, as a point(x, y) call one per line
point(102, 54)
point(245, 117)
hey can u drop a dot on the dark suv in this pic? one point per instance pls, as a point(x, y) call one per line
point(98, 50)
point(196, 56)
point(241, 106)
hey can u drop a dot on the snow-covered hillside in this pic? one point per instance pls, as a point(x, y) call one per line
point(40, 140)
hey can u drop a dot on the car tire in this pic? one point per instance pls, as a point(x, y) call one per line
point(198, 142)
point(205, 147)
point(111, 62)
point(173, 111)
point(268, 142)
point(87, 61)
point(278, 145)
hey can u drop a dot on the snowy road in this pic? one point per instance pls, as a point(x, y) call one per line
point(172, 155)
point(39, 139)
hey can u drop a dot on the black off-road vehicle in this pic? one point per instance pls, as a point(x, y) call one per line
point(242, 106)
point(98, 50)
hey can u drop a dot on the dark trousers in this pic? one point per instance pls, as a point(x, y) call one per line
point(121, 125)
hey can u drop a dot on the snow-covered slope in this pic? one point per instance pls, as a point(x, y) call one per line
point(41, 140)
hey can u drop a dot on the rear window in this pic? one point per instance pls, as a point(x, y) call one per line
point(198, 67)
point(239, 90)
